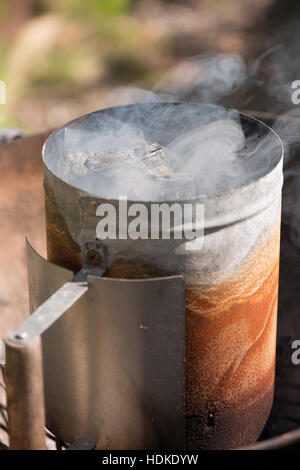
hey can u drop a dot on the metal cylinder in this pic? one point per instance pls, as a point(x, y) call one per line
point(231, 289)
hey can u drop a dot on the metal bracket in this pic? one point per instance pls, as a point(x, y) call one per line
point(49, 312)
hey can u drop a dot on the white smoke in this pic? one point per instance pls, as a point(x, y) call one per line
point(204, 146)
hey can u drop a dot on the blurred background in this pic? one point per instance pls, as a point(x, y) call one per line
point(60, 59)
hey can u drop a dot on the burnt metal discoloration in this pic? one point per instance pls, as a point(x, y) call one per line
point(94, 257)
point(232, 426)
point(61, 248)
point(135, 269)
point(230, 352)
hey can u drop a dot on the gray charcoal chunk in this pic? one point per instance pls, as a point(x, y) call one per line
point(121, 170)
point(151, 160)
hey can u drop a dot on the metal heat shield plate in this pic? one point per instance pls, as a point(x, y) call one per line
point(114, 367)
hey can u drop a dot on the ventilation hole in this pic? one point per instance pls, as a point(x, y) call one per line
point(210, 419)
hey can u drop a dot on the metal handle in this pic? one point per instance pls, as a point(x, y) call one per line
point(25, 395)
point(24, 369)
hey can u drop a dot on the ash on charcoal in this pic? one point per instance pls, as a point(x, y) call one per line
point(122, 169)
point(160, 151)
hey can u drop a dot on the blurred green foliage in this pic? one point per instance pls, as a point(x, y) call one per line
point(64, 51)
point(92, 9)
point(99, 9)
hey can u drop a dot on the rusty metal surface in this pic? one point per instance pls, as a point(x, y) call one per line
point(285, 416)
point(22, 214)
point(114, 363)
point(230, 350)
point(25, 395)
